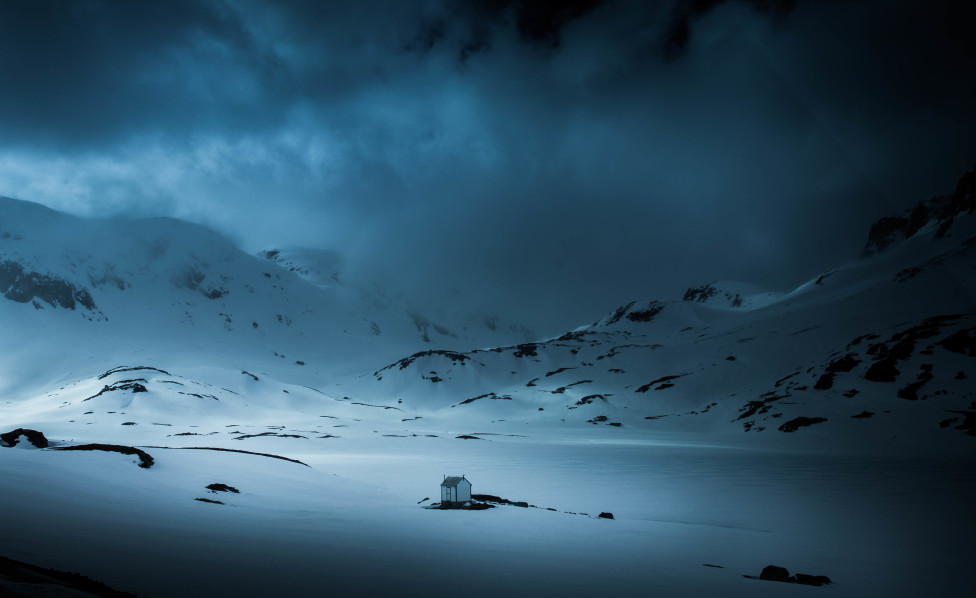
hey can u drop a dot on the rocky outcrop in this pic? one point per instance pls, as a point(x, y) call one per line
point(942, 209)
point(22, 285)
point(33, 436)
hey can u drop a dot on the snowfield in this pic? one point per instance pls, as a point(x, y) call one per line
point(829, 429)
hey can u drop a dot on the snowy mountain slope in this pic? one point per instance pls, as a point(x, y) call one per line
point(453, 326)
point(665, 413)
point(876, 351)
point(89, 294)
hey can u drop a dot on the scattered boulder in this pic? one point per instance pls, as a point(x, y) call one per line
point(774, 573)
point(605, 515)
point(33, 436)
point(217, 487)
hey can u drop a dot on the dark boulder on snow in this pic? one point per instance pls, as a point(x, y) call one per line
point(774, 573)
point(605, 515)
point(33, 436)
point(218, 487)
point(209, 500)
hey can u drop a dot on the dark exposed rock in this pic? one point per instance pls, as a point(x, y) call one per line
point(209, 500)
point(470, 505)
point(962, 341)
point(968, 424)
point(619, 313)
point(841, 364)
point(49, 581)
point(863, 415)
point(468, 437)
point(228, 450)
point(645, 315)
point(882, 371)
point(33, 436)
point(145, 459)
point(490, 395)
point(218, 487)
point(525, 350)
point(498, 500)
point(402, 364)
point(590, 398)
point(944, 209)
point(605, 515)
point(699, 294)
point(795, 424)
point(774, 573)
point(554, 372)
point(901, 346)
point(132, 369)
point(662, 379)
point(910, 392)
point(133, 385)
point(22, 285)
point(269, 434)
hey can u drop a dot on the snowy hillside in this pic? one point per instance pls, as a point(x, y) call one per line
point(94, 293)
point(180, 418)
point(875, 353)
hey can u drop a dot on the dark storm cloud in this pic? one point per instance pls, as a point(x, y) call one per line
point(91, 72)
point(548, 158)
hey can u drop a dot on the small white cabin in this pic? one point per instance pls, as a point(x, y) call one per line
point(455, 489)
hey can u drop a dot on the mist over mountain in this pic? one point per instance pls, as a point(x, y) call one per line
point(502, 297)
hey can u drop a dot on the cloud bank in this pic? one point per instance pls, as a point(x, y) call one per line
point(550, 159)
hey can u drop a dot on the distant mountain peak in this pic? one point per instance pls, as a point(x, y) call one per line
point(942, 209)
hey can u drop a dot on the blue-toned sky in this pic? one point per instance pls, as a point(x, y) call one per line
point(554, 159)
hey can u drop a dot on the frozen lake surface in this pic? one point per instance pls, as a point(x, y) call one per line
point(878, 526)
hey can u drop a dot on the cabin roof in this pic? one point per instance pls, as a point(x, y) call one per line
point(453, 480)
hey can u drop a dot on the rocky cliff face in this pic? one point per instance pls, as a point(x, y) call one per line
point(942, 210)
point(20, 284)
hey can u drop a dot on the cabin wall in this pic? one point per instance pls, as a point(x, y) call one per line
point(464, 491)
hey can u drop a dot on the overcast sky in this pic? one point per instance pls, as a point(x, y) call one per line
point(553, 159)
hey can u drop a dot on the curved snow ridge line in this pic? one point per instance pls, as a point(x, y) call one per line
point(227, 450)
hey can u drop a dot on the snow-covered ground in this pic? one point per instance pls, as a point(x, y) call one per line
point(876, 526)
point(828, 429)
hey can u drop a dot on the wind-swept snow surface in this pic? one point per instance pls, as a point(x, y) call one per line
point(226, 424)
